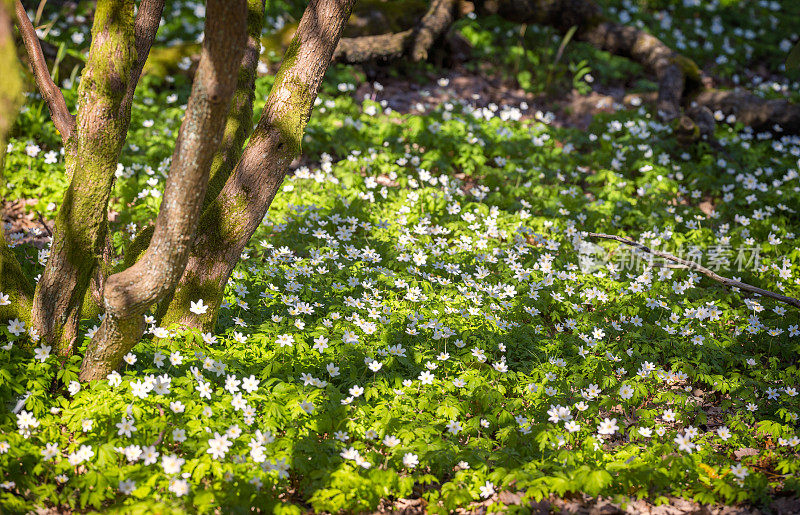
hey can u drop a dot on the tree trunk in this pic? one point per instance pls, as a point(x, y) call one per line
point(51, 94)
point(92, 153)
point(13, 282)
point(237, 127)
point(129, 294)
point(232, 218)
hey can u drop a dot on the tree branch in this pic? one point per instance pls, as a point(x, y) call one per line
point(148, 17)
point(63, 120)
point(730, 283)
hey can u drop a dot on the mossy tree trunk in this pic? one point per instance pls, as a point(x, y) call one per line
point(16, 291)
point(91, 157)
point(116, 57)
point(232, 218)
point(129, 294)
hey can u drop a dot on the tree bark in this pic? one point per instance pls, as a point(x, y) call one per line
point(751, 110)
point(237, 127)
point(145, 26)
point(232, 218)
point(13, 282)
point(92, 153)
point(129, 294)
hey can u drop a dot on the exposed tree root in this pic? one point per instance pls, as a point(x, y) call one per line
point(753, 111)
point(681, 94)
point(413, 43)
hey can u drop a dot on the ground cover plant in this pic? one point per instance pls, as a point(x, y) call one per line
point(420, 314)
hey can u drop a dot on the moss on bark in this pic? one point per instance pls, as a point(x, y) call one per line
point(13, 282)
point(92, 153)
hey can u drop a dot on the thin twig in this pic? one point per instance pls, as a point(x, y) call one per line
point(730, 283)
point(44, 223)
point(63, 120)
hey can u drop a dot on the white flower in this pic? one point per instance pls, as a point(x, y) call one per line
point(307, 406)
point(179, 487)
point(198, 308)
point(285, 340)
point(608, 426)
point(149, 454)
point(126, 427)
point(127, 486)
point(723, 432)
point(320, 344)
point(740, 471)
point(172, 464)
point(74, 387)
point(129, 358)
point(626, 391)
point(487, 490)
point(390, 441)
point(204, 389)
point(410, 460)
point(114, 379)
point(16, 327)
point(176, 359)
point(684, 443)
point(250, 384)
point(454, 427)
point(356, 391)
point(42, 353)
point(218, 446)
point(26, 420)
point(50, 451)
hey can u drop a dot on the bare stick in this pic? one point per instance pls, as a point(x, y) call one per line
point(63, 120)
point(730, 283)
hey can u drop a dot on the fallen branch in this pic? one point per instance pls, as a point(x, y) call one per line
point(63, 120)
point(730, 283)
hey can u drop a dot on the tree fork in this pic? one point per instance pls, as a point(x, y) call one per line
point(232, 218)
